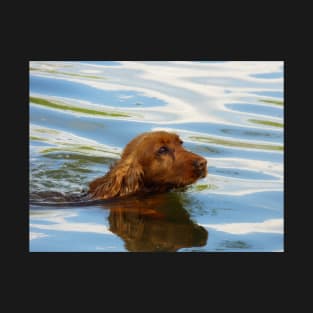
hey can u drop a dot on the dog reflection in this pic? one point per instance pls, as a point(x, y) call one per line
point(155, 223)
point(146, 223)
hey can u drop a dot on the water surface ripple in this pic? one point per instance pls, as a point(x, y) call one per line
point(83, 113)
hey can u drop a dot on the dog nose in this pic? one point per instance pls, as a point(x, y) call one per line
point(200, 164)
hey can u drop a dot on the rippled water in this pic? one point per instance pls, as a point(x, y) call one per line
point(82, 114)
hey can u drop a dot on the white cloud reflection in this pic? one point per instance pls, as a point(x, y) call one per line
point(74, 227)
point(201, 89)
point(268, 226)
point(57, 220)
point(34, 235)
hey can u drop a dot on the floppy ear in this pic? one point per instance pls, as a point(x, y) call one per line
point(123, 179)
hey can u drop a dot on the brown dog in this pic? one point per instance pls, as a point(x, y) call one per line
point(152, 162)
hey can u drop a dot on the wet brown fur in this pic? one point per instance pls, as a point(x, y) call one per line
point(143, 167)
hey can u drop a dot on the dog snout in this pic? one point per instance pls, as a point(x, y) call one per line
point(200, 165)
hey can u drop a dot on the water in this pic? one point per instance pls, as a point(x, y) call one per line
point(82, 114)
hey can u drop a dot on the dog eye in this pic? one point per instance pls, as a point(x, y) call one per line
point(181, 142)
point(163, 150)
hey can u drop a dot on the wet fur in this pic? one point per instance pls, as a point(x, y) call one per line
point(143, 168)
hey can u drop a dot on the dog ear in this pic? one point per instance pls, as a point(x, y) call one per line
point(123, 179)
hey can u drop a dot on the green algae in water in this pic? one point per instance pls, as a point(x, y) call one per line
point(67, 74)
point(64, 106)
point(75, 149)
point(80, 158)
point(237, 244)
point(34, 138)
point(276, 102)
point(267, 123)
point(204, 187)
point(47, 131)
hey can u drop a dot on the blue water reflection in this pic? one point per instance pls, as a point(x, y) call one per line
point(260, 109)
point(277, 94)
point(66, 88)
point(268, 75)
